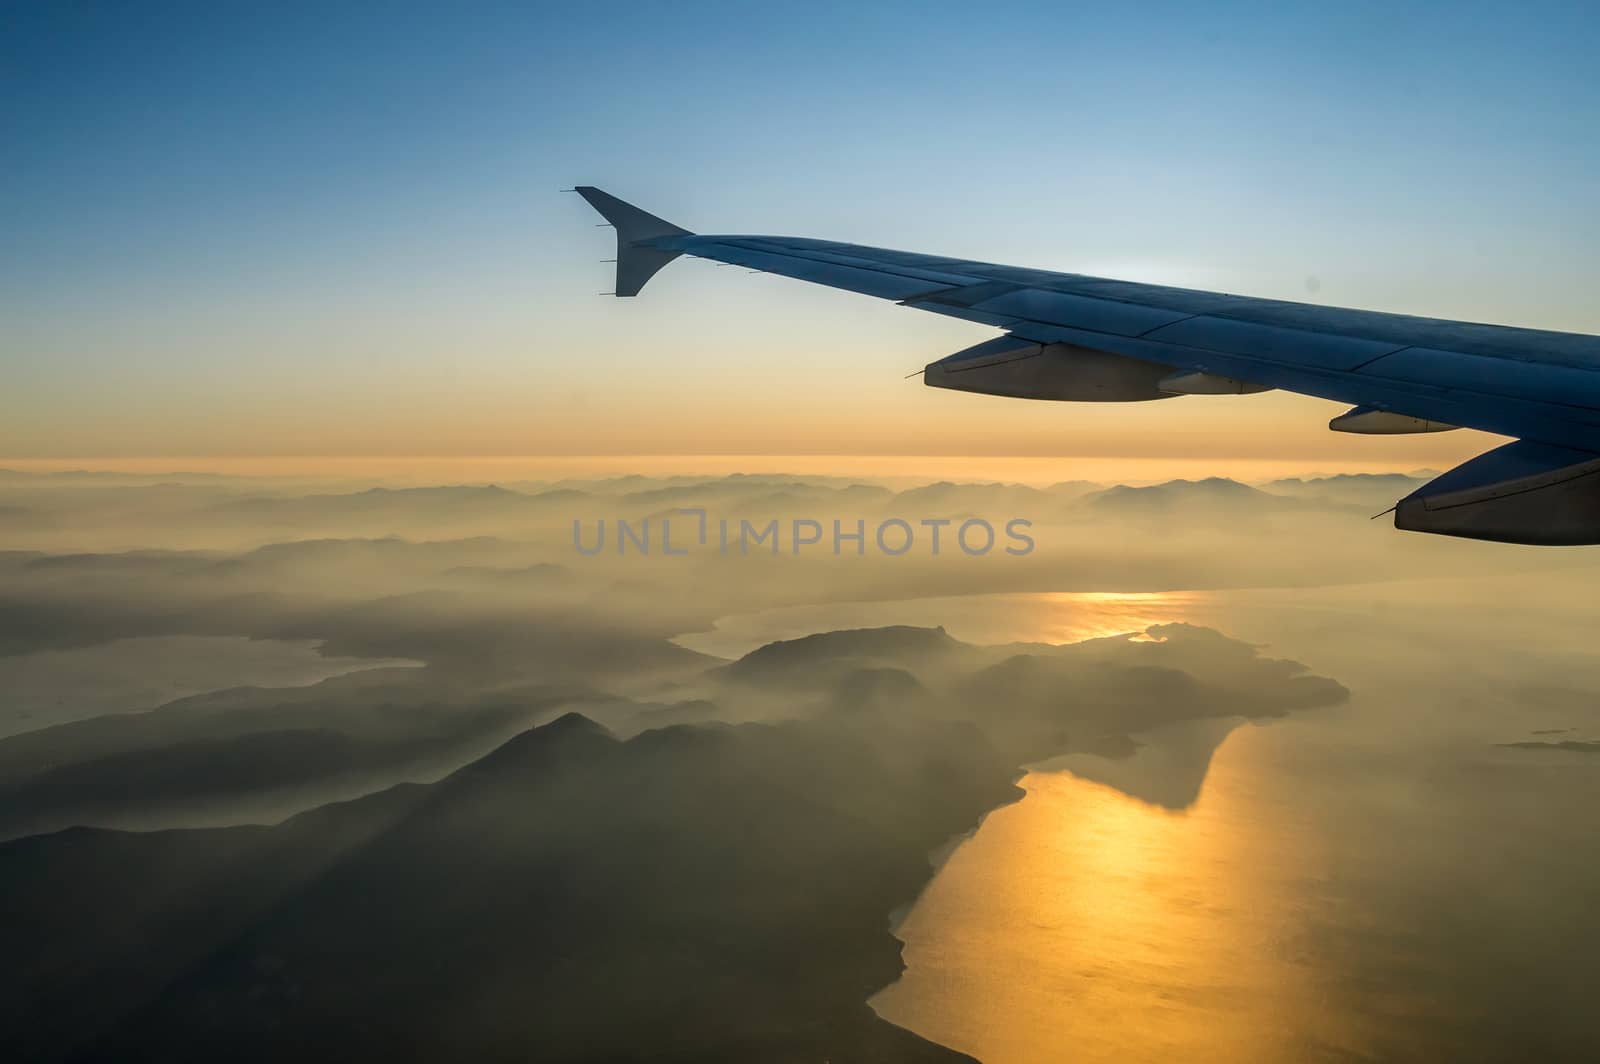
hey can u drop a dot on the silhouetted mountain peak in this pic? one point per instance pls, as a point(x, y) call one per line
point(1210, 491)
point(873, 492)
point(947, 493)
point(892, 643)
point(571, 735)
point(573, 723)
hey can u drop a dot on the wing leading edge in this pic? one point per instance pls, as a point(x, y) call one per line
point(1075, 337)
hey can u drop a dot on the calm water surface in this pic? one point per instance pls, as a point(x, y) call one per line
point(1379, 880)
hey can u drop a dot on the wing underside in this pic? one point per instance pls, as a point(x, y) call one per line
point(1069, 336)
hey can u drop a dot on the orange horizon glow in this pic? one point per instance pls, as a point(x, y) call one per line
point(1025, 469)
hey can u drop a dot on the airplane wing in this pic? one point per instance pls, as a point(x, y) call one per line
point(1074, 337)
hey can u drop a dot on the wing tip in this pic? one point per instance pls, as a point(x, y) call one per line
point(636, 264)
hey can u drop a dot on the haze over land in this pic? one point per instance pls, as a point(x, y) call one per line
point(658, 806)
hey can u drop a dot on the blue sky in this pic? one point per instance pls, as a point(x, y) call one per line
point(253, 228)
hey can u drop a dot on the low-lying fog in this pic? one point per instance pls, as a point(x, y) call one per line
point(1333, 801)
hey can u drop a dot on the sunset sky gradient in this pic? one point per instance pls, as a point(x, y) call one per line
point(284, 230)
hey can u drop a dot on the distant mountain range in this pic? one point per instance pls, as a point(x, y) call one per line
point(1214, 494)
point(1363, 489)
point(37, 510)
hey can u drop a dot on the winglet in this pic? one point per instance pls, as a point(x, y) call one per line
point(637, 262)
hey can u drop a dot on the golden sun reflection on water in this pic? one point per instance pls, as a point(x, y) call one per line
point(1049, 617)
point(1068, 617)
point(1373, 881)
point(1083, 924)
